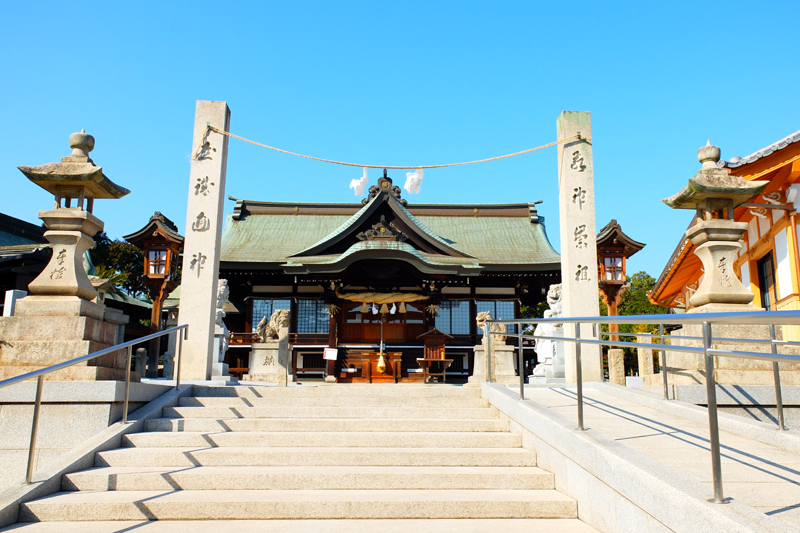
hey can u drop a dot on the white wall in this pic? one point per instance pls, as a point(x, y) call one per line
point(783, 267)
point(746, 274)
point(752, 231)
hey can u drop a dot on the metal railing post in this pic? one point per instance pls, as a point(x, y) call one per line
point(713, 424)
point(181, 338)
point(664, 361)
point(579, 375)
point(34, 429)
point(521, 365)
point(127, 386)
point(777, 375)
point(488, 334)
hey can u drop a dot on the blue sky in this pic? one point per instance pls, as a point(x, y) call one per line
point(396, 83)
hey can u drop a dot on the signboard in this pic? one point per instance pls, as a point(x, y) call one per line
point(331, 354)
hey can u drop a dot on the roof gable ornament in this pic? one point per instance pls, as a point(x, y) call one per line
point(384, 186)
point(382, 232)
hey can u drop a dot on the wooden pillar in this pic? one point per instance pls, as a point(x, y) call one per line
point(330, 366)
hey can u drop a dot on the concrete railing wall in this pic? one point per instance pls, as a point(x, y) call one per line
point(617, 488)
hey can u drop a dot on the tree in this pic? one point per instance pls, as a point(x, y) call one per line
point(121, 261)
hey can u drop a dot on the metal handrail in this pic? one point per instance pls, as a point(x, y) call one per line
point(707, 320)
point(40, 374)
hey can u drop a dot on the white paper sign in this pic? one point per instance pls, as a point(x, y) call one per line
point(331, 354)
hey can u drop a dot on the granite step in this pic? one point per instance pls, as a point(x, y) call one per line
point(298, 504)
point(321, 439)
point(330, 412)
point(354, 390)
point(321, 456)
point(305, 477)
point(326, 424)
point(334, 401)
point(487, 525)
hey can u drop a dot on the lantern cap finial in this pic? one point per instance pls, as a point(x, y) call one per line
point(709, 155)
point(81, 143)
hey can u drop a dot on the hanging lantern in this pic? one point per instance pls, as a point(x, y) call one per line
point(403, 307)
point(364, 308)
point(384, 309)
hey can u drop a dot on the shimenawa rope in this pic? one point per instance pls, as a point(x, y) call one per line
point(578, 137)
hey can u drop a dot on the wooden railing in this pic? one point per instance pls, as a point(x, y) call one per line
point(246, 339)
point(318, 339)
point(243, 339)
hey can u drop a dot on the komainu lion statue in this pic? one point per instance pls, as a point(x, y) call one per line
point(554, 301)
point(269, 330)
point(546, 350)
point(481, 319)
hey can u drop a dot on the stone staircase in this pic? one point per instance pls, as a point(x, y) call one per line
point(339, 452)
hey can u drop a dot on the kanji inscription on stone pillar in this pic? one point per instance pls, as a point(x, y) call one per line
point(204, 218)
point(578, 250)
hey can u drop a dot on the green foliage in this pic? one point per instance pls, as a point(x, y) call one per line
point(634, 301)
point(116, 279)
point(120, 261)
point(533, 311)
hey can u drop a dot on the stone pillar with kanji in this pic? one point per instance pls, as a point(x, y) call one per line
point(578, 251)
point(204, 218)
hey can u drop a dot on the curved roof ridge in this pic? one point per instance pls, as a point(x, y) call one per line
point(338, 231)
point(780, 144)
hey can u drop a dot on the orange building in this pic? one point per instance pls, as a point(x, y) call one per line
point(768, 262)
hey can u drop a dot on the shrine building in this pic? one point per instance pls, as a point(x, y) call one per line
point(350, 273)
point(769, 261)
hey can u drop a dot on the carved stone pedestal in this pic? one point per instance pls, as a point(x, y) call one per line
point(502, 366)
point(269, 361)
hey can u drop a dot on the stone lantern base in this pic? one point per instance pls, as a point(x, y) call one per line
point(42, 335)
point(689, 369)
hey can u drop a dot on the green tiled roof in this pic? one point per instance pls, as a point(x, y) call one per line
point(9, 239)
point(274, 238)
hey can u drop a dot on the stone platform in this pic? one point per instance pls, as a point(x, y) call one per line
point(689, 369)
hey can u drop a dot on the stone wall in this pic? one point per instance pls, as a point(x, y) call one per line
point(71, 412)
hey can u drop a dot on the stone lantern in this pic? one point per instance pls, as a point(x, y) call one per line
point(75, 180)
point(714, 194)
point(62, 318)
point(162, 246)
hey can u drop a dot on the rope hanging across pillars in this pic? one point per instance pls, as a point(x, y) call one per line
point(209, 127)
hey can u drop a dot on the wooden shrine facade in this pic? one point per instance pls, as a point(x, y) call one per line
point(352, 274)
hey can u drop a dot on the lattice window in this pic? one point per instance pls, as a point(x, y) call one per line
point(613, 268)
point(500, 310)
point(453, 317)
point(312, 317)
point(158, 262)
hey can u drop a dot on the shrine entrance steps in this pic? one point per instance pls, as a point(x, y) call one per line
point(349, 457)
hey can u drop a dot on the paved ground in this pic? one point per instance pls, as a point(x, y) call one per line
point(762, 476)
